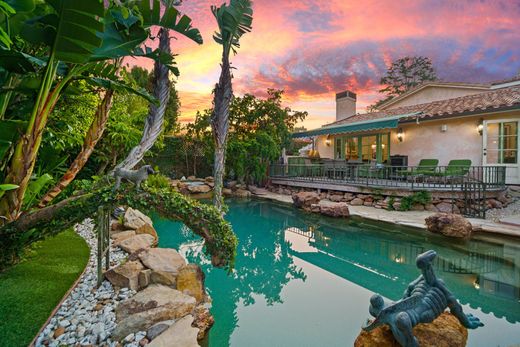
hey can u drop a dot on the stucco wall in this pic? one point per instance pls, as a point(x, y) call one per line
point(426, 141)
point(430, 94)
point(324, 150)
point(460, 141)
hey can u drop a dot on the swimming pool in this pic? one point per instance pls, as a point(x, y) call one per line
point(305, 280)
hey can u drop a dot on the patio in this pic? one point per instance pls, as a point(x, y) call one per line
point(343, 176)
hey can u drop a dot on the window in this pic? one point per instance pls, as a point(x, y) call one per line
point(352, 148)
point(369, 148)
point(338, 148)
point(366, 147)
point(502, 143)
point(385, 148)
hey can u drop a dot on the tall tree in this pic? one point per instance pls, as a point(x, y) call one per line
point(234, 20)
point(406, 73)
point(161, 82)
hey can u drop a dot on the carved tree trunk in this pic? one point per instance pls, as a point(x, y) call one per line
point(94, 133)
point(220, 126)
point(154, 122)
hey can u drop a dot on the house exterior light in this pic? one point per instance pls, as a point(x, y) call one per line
point(480, 127)
point(400, 134)
point(328, 141)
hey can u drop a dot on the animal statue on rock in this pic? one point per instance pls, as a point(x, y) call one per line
point(134, 176)
point(423, 301)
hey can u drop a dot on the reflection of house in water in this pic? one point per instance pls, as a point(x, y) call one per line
point(482, 274)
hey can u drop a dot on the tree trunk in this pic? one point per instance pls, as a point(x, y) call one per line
point(154, 122)
point(94, 133)
point(220, 126)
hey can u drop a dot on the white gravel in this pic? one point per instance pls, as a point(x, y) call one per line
point(87, 315)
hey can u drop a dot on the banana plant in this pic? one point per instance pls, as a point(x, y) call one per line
point(164, 63)
point(79, 33)
point(233, 20)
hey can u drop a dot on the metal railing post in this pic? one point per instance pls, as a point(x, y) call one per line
point(100, 231)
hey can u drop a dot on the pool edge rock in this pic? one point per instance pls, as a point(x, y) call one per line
point(160, 270)
point(88, 314)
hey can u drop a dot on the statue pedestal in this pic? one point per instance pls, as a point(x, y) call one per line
point(445, 331)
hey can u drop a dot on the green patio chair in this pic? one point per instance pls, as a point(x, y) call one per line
point(426, 167)
point(456, 168)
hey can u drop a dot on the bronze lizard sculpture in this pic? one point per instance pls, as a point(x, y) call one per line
point(423, 301)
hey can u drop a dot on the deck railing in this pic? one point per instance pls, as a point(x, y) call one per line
point(412, 177)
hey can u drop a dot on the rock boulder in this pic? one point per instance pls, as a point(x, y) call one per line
point(137, 242)
point(334, 209)
point(180, 334)
point(356, 202)
point(122, 235)
point(242, 193)
point(165, 264)
point(445, 331)
point(135, 218)
point(203, 320)
point(449, 224)
point(147, 229)
point(199, 188)
point(190, 280)
point(305, 199)
point(125, 275)
point(446, 207)
point(154, 304)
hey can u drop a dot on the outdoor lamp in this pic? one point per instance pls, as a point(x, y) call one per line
point(400, 134)
point(480, 127)
point(327, 141)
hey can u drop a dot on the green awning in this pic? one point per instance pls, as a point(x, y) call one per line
point(385, 123)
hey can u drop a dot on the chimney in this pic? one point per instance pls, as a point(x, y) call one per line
point(345, 105)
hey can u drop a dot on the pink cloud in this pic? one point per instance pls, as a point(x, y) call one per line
point(312, 48)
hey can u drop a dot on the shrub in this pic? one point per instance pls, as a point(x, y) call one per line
point(391, 202)
point(157, 181)
point(422, 197)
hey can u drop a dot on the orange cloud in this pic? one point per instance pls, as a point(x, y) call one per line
point(312, 48)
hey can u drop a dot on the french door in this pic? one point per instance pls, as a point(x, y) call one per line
point(500, 147)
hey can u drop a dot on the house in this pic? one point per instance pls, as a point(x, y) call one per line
point(435, 120)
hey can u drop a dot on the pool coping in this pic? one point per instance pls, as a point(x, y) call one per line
point(414, 219)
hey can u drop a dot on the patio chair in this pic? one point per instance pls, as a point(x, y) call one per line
point(426, 167)
point(456, 168)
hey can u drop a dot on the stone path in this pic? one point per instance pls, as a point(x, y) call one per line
point(408, 218)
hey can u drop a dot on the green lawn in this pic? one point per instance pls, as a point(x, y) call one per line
point(30, 290)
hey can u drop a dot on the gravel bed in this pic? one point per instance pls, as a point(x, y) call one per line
point(86, 317)
point(498, 213)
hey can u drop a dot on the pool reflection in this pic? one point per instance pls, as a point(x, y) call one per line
point(484, 273)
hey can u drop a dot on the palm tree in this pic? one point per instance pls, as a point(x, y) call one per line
point(234, 20)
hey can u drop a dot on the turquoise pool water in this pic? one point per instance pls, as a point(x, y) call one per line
point(306, 280)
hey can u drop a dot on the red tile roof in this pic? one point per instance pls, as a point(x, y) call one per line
point(485, 101)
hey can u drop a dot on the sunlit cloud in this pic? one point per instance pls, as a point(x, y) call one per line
point(313, 49)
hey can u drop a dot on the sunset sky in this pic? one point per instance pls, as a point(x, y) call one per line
point(313, 49)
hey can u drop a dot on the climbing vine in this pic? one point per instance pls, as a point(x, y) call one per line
point(203, 220)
